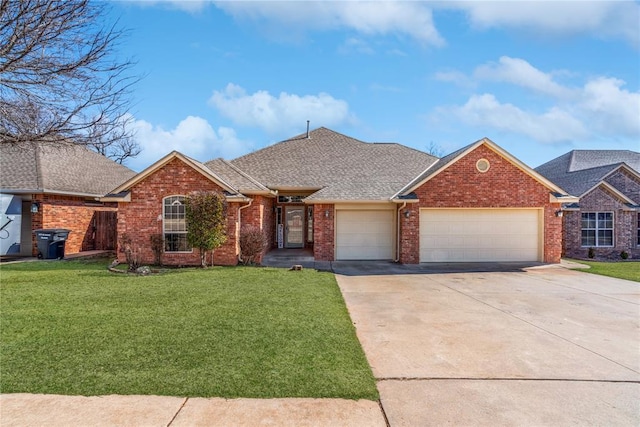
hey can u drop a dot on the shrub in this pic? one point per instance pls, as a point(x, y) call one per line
point(591, 253)
point(252, 243)
point(624, 255)
point(132, 256)
point(157, 246)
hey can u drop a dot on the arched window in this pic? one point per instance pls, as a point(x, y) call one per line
point(174, 225)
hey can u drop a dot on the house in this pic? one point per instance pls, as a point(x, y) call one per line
point(49, 185)
point(346, 199)
point(607, 218)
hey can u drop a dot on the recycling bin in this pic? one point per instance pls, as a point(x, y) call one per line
point(51, 242)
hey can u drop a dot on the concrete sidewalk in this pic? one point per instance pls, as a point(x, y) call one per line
point(68, 411)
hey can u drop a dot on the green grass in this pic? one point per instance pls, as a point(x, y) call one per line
point(629, 270)
point(73, 328)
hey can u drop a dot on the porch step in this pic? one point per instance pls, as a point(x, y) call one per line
point(288, 258)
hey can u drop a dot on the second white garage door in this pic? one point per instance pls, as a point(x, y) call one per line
point(468, 235)
point(364, 234)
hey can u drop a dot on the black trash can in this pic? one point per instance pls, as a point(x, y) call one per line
point(51, 242)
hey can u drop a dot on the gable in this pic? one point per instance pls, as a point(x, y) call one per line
point(495, 152)
point(187, 167)
point(627, 182)
point(173, 178)
point(461, 184)
point(604, 197)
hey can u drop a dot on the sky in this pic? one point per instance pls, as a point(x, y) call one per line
point(223, 79)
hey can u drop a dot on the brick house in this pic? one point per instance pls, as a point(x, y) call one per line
point(607, 218)
point(346, 199)
point(57, 186)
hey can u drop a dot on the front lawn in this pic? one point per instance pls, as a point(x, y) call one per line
point(629, 270)
point(71, 327)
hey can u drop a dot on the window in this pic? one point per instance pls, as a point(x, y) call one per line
point(175, 225)
point(638, 231)
point(597, 229)
point(310, 224)
point(290, 199)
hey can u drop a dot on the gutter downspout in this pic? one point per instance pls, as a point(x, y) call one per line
point(404, 204)
point(240, 226)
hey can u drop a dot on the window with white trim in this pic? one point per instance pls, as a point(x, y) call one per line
point(597, 229)
point(174, 225)
point(638, 230)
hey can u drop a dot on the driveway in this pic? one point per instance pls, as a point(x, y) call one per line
point(534, 346)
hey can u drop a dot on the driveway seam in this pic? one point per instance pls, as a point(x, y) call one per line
point(178, 411)
point(384, 414)
point(535, 326)
point(504, 379)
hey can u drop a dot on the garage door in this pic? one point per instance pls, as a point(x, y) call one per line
point(468, 235)
point(364, 234)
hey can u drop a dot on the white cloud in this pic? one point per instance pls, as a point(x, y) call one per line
point(554, 125)
point(280, 115)
point(371, 17)
point(355, 45)
point(617, 19)
point(193, 136)
point(519, 72)
point(610, 108)
point(600, 108)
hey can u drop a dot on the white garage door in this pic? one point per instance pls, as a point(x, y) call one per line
point(468, 235)
point(364, 234)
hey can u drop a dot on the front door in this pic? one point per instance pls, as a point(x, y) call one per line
point(294, 227)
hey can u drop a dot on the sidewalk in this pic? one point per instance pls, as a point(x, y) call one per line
point(68, 411)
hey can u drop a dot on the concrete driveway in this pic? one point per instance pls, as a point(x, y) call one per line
point(537, 346)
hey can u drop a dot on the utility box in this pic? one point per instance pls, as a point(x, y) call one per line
point(51, 242)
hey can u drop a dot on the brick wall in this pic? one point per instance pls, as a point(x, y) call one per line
point(323, 232)
point(67, 212)
point(142, 217)
point(624, 227)
point(504, 185)
point(260, 214)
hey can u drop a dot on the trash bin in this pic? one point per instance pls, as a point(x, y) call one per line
point(51, 242)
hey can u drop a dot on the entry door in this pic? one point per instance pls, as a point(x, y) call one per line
point(294, 227)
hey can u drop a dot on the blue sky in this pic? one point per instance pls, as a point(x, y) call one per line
point(222, 79)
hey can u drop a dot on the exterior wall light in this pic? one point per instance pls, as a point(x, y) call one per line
point(407, 214)
point(35, 207)
point(559, 213)
point(326, 213)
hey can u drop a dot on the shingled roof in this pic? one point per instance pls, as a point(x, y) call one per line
point(58, 169)
point(340, 167)
point(580, 170)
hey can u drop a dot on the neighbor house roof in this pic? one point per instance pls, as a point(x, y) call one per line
point(339, 167)
point(579, 171)
point(58, 168)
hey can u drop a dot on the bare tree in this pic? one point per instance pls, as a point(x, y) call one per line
point(435, 150)
point(60, 79)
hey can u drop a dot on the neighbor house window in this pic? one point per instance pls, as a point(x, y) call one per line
point(175, 225)
point(597, 229)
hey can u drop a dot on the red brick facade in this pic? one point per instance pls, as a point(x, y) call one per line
point(461, 185)
point(260, 214)
point(323, 232)
point(73, 213)
point(625, 226)
point(142, 217)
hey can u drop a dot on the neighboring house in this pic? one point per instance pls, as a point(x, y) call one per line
point(350, 200)
point(57, 186)
point(607, 218)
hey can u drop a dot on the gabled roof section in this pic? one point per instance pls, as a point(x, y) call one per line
point(235, 177)
point(196, 165)
point(579, 171)
point(452, 158)
point(58, 168)
point(340, 167)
